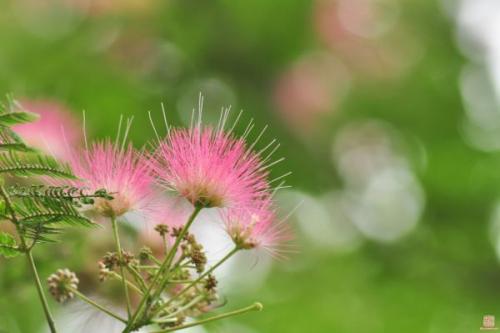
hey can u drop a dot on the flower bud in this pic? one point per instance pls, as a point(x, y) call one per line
point(61, 284)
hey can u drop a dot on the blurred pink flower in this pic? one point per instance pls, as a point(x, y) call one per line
point(367, 35)
point(313, 87)
point(123, 172)
point(210, 168)
point(88, 7)
point(56, 128)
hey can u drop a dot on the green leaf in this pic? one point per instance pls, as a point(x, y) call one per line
point(17, 117)
point(58, 192)
point(43, 217)
point(73, 219)
point(15, 146)
point(12, 113)
point(41, 234)
point(26, 165)
point(9, 141)
point(8, 247)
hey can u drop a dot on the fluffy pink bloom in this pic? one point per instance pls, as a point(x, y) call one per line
point(55, 129)
point(213, 168)
point(257, 227)
point(122, 172)
point(210, 168)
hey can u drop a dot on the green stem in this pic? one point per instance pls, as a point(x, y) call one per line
point(96, 305)
point(130, 284)
point(138, 278)
point(253, 307)
point(120, 257)
point(31, 261)
point(41, 295)
point(156, 261)
point(165, 244)
point(178, 263)
point(147, 267)
point(166, 320)
point(189, 305)
point(166, 263)
point(202, 276)
point(173, 251)
point(193, 302)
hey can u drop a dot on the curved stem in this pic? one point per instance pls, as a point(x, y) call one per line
point(181, 309)
point(187, 306)
point(138, 278)
point(41, 295)
point(147, 267)
point(96, 305)
point(254, 307)
point(120, 257)
point(165, 244)
point(173, 251)
point(130, 284)
point(31, 261)
point(166, 263)
point(180, 281)
point(202, 276)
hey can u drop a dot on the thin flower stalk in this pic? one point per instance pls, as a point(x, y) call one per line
point(166, 263)
point(121, 263)
point(130, 284)
point(97, 305)
point(31, 261)
point(205, 274)
point(254, 307)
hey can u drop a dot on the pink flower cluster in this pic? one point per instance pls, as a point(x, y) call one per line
point(213, 168)
point(210, 168)
point(123, 172)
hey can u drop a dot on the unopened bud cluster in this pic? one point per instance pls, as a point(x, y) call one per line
point(112, 260)
point(61, 285)
point(104, 271)
point(162, 229)
point(193, 250)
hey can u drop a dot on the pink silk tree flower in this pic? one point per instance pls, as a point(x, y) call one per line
point(257, 227)
point(53, 131)
point(123, 172)
point(210, 168)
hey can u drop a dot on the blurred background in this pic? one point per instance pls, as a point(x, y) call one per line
point(388, 114)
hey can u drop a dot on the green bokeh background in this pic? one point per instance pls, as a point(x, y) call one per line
point(443, 277)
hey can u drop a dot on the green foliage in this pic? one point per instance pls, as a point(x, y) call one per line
point(10, 141)
point(61, 192)
point(8, 247)
point(14, 118)
point(33, 164)
point(44, 210)
point(38, 211)
point(41, 218)
point(11, 113)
